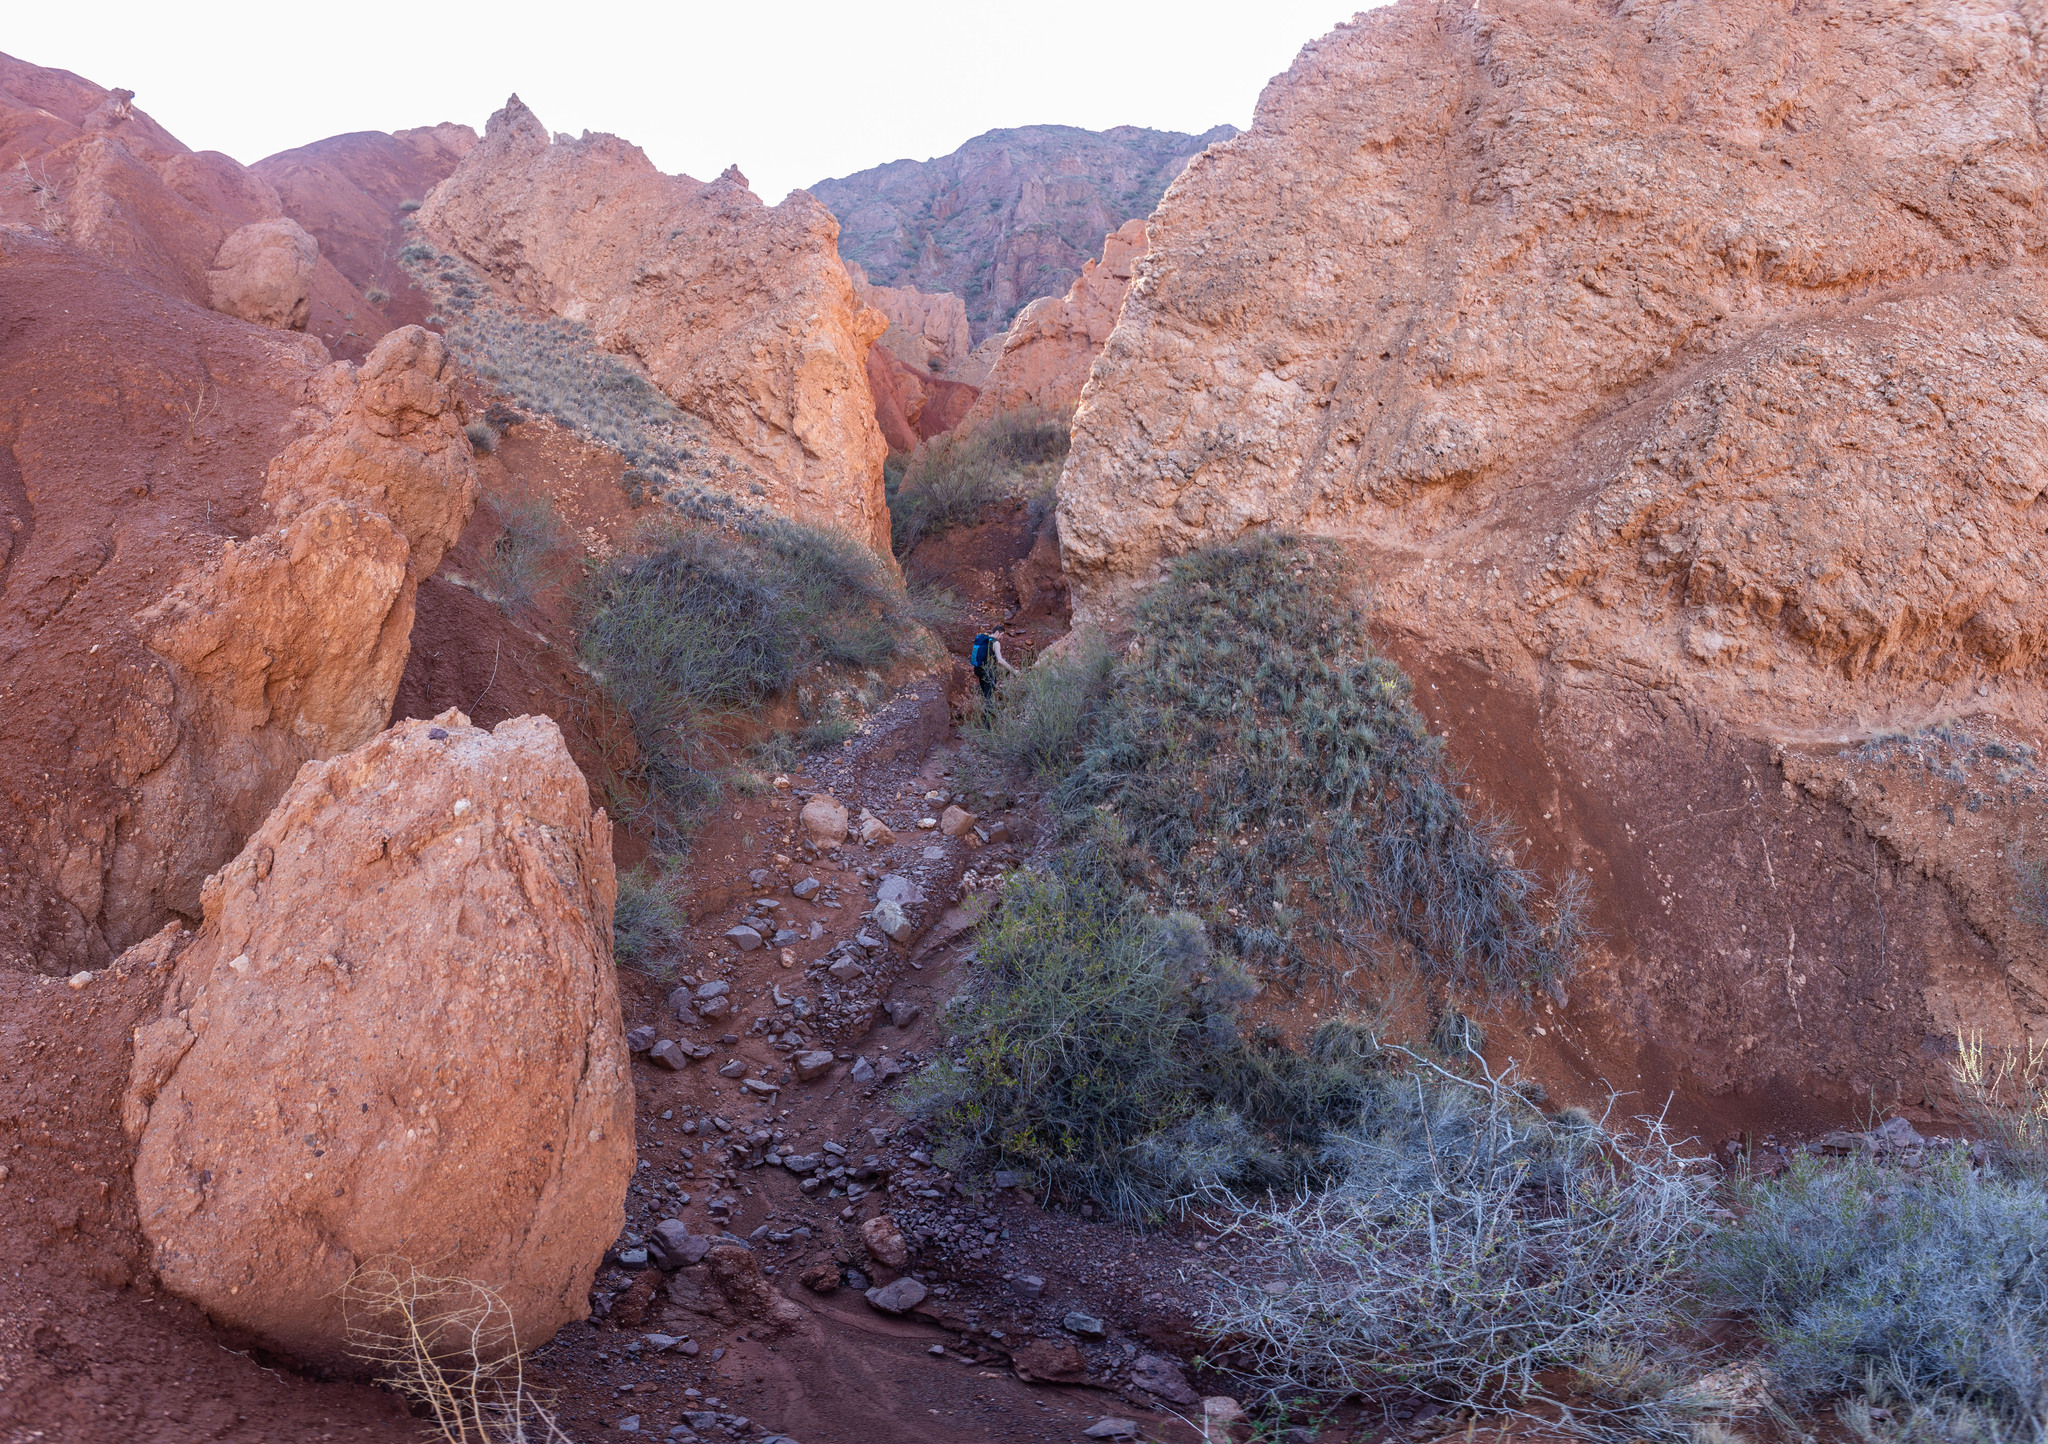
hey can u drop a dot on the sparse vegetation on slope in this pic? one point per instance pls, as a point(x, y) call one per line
point(953, 478)
point(1250, 773)
point(552, 367)
point(1268, 769)
point(698, 625)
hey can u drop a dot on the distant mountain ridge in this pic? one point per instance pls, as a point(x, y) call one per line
point(1008, 217)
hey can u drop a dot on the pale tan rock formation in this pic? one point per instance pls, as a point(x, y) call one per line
point(928, 330)
point(741, 312)
point(1052, 345)
point(395, 1037)
point(1683, 430)
point(290, 646)
point(264, 273)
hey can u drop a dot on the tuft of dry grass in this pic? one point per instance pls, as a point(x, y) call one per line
point(448, 1346)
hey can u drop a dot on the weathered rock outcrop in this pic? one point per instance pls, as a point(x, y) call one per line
point(928, 331)
point(1682, 430)
point(1008, 217)
point(90, 169)
point(290, 646)
point(264, 273)
point(396, 1036)
point(742, 313)
point(1053, 343)
point(172, 648)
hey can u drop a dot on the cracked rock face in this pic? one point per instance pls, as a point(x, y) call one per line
point(742, 313)
point(290, 645)
point(1672, 426)
point(396, 1036)
point(1051, 347)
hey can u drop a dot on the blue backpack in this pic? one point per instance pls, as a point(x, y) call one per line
point(982, 643)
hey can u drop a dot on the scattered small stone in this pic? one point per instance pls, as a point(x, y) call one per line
point(712, 1009)
point(668, 1054)
point(885, 1242)
point(927, 824)
point(640, 1039)
point(889, 917)
point(808, 888)
point(1162, 1377)
point(846, 970)
point(811, 1065)
point(628, 1425)
point(1085, 1325)
point(673, 1246)
point(760, 1086)
point(633, 1258)
point(1111, 1429)
point(862, 1071)
point(897, 888)
point(898, 1298)
point(903, 1012)
point(955, 822)
point(743, 937)
point(1027, 1286)
point(820, 1278)
point(1005, 1178)
point(78, 980)
point(737, 1068)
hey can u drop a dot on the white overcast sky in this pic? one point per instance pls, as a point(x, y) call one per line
point(793, 93)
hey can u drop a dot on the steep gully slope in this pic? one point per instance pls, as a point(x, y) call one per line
point(1010, 216)
point(1690, 438)
point(349, 461)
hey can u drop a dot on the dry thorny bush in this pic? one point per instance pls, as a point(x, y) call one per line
point(448, 1346)
point(1474, 1250)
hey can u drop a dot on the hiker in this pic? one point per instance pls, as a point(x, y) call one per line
point(987, 656)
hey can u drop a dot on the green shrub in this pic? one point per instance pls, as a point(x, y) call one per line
point(482, 439)
point(699, 625)
point(954, 478)
point(1099, 1050)
point(1926, 1289)
point(376, 295)
point(1471, 1249)
point(408, 206)
point(532, 543)
point(648, 919)
point(1042, 716)
point(1262, 756)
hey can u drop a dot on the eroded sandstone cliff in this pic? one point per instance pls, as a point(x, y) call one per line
point(741, 313)
point(1008, 217)
point(1676, 372)
point(178, 635)
point(1052, 345)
